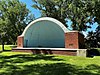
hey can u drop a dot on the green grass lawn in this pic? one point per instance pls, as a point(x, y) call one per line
point(15, 63)
point(7, 47)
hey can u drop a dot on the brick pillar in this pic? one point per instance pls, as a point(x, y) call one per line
point(74, 40)
point(20, 41)
point(71, 40)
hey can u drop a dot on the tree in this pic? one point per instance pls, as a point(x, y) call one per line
point(51, 8)
point(3, 39)
point(75, 10)
point(90, 41)
point(93, 38)
point(14, 16)
point(97, 36)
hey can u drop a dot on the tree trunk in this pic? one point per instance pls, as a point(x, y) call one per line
point(2, 45)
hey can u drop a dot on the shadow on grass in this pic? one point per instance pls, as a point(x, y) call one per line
point(9, 66)
point(21, 58)
point(50, 69)
point(6, 50)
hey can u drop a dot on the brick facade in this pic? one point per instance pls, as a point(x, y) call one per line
point(74, 40)
point(20, 41)
point(44, 51)
point(81, 41)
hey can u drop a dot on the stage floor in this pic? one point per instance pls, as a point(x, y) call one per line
point(48, 48)
point(62, 51)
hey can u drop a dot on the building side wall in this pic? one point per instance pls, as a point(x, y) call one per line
point(81, 41)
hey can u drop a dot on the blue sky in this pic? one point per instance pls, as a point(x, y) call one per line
point(37, 14)
point(29, 4)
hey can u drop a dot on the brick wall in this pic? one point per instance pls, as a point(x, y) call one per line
point(20, 41)
point(42, 51)
point(71, 40)
point(81, 41)
point(74, 40)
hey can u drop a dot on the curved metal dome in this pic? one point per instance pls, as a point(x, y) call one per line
point(45, 32)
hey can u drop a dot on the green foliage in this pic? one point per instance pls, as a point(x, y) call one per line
point(51, 8)
point(28, 64)
point(93, 39)
point(90, 41)
point(14, 16)
point(80, 12)
point(97, 36)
